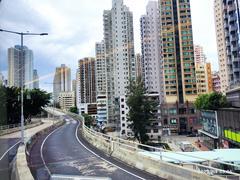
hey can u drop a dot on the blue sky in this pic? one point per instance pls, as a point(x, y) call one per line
point(75, 25)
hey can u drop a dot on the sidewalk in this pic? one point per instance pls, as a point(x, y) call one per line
point(29, 132)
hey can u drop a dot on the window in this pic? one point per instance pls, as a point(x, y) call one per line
point(173, 121)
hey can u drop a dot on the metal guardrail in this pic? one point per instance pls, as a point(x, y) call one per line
point(10, 126)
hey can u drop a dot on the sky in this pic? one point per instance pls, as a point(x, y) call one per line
point(74, 26)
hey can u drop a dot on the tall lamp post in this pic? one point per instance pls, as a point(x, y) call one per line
point(22, 71)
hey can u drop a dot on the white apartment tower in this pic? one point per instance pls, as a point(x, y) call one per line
point(119, 54)
point(20, 67)
point(101, 82)
point(62, 81)
point(199, 56)
point(151, 49)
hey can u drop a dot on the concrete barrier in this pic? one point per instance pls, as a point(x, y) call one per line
point(13, 130)
point(22, 170)
point(130, 155)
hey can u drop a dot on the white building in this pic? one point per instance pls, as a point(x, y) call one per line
point(151, 50)
point(66, 100)
point(199, 55)
point(119, 55)
point(101, 83)
point(20, 70)
point(62, 81)
point(35, 79)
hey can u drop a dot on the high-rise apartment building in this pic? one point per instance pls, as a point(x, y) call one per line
point(203, 71)
point(231, 21)
point(119, 51)
point(179, 67)
point(209, 77)
point(35, 79)
point(20, 67)
point(199, 56)
point(62, 81)
point(204, 78)
point(87, 81)
point(221, 45)
point(216, 82)
point(139, 66)
point(101, 83)
point(151, 50)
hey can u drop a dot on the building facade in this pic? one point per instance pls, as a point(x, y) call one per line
point(101, 83)
point(204, 78)
point(231, 21)
point(199, 56)
point(66, 100)
point(221, 128)
point(20, 67)
point(87, 84)
point(86, 93)
point(35, 79)
point(221, 45)
point(62, 81)
point(119, 56)
point(209, 77)
point(151, 50)
point(139, 66)
point(178, 62)
point(216, 82)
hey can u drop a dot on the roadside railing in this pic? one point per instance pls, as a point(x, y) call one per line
point(151, 159)
point(10, 126)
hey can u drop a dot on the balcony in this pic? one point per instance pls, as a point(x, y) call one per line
point(232, 18)
point(235, 49)
point(231, 8)
point(233, 28)
point(233, 38)
point(235, 59)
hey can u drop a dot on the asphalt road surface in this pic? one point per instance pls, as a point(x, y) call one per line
point(8, 150)
point(65, 152)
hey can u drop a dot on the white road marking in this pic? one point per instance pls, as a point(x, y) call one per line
point(103, 158)
point(41, 150)
point(9, 150)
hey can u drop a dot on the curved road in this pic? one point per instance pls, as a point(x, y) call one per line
point(65, 152)
point(8, 150)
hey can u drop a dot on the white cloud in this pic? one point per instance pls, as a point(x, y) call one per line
point(74, 27)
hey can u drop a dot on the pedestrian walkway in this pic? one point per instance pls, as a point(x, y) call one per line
point(29, 132)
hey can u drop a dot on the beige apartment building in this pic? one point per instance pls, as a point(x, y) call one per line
point(66, 100)
point(221, 45)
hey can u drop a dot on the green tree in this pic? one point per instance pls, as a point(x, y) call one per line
point(212, 101)
point(10, 104)
point(88, 120)
point(74, 110)
point(34, 100)
point(141, 110)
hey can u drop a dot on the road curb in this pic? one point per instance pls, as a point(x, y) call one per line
point(22, 170)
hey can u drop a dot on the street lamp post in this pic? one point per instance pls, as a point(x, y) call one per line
point(22, 69)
